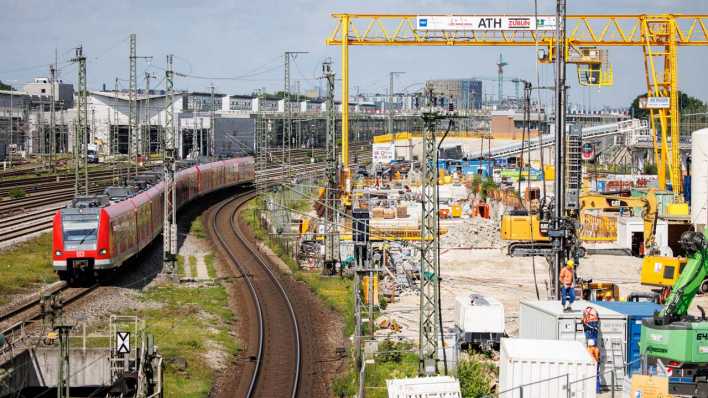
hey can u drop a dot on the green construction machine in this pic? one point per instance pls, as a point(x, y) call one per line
point(675, 341)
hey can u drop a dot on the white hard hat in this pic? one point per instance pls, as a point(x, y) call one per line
point(591, 342)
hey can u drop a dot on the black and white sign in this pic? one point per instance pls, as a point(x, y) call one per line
point(484, 22)
point(123, 342)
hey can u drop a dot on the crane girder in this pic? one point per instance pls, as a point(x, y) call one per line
point(583, 30)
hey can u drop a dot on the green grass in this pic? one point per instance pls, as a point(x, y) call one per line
point(209, 261)
point(185, 326)
point(25, 265)
point(193, 266)
point(197, 228)
point(180, 265)
point(386, 366)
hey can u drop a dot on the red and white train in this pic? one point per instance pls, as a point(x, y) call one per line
point(90, 239)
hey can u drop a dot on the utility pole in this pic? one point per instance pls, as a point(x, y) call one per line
point(52, 118)
point(212, 130)
point(500, 76)
point(391, 75)
point(559, 186)
point(331, 221)
point(135, 137)
point(148, 133)
point(82, 119)
point(115, 149)
point(169, 229)
point(287, 126)
point(429, 250)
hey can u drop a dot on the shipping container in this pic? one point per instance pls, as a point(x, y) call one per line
point(544, 368)
point(547, 320)
point(424, 387)
point(479, 320)
point(634, 312)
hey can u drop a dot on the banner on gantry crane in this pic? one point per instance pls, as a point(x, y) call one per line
point(484, 22)
point(654, 102)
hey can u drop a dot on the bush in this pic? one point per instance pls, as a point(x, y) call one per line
point(17, 193)
point(649, 169)
point(475, 377)
point(391, 351)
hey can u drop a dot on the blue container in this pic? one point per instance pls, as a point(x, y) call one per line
point(687, 189)
point(635, 313)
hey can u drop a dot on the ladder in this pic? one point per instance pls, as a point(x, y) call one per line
point(617, 355)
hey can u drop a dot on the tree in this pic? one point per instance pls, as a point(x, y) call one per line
point(4, 86)
point(687, 104)
point(475, 376)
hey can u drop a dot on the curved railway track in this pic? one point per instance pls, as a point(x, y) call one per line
point(275, 345)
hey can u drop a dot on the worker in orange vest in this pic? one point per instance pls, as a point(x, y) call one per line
point(594, 352)
point(567, 278)
point(591, 323)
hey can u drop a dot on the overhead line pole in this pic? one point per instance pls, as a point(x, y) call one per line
point(82, 119)
point(287, 125)
point(169, 229)
point(391, 75)
point(559, 186)
point(135, 135)
point(52, 119)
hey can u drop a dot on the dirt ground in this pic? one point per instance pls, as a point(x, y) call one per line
point(509, 280)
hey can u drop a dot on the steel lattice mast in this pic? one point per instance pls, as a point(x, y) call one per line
point(429, 247)
point(81, 124)
point(132, 105)
point(169, 229)
point(331, 244)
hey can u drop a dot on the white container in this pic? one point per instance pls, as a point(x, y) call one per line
point(479, 319)
point(699, 178)
point(424, 387)
point(526, 361)
point(547, 320)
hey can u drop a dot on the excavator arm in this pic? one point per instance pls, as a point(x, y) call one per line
point(689, 283)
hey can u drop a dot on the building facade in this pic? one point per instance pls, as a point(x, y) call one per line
point(465, 94)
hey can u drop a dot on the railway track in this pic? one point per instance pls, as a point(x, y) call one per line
point(275, 343)
point(15, 322)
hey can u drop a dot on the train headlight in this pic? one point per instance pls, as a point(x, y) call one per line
point(57, 253)
point(103, 252)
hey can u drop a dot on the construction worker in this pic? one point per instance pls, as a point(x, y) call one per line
point(567, 279)
point(595, 354)
point(591, 322)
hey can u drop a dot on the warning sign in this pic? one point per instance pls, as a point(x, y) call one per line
point(123, 342)
point(650, 387)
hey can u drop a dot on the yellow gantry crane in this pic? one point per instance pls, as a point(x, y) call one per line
point(658, 35)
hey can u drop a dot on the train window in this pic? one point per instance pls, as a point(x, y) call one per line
point(80, 230)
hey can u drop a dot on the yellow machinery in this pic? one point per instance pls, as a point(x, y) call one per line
point(597, 201)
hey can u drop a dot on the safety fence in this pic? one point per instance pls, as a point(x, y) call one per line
point(596, 228)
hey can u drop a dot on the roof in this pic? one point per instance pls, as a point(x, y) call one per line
point(554, 307)
point(642, 309)
point(545, 350)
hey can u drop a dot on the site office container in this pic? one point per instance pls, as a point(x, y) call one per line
point(547, 320)
point(424, 387)
point(634, 313)
point(479, 319)
point(544, 368)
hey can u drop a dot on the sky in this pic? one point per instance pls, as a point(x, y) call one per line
point(238, 45)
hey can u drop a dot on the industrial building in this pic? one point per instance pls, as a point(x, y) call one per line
point(465, 94)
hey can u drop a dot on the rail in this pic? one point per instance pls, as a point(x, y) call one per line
point(248, 278)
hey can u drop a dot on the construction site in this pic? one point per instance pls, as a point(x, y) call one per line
point(528, 227)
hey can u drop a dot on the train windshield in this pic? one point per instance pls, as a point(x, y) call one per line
point(80, 231)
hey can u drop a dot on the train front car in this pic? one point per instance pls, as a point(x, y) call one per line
point(80, 244)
